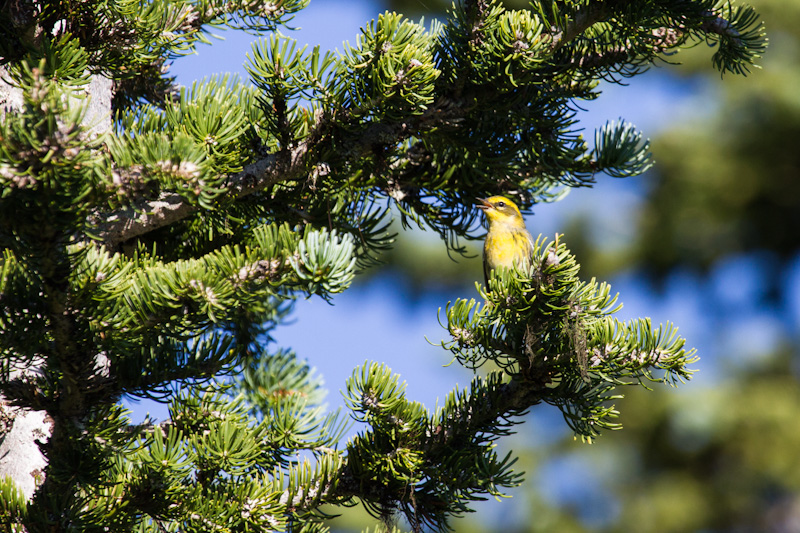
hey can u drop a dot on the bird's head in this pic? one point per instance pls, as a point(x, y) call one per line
point(501, 211)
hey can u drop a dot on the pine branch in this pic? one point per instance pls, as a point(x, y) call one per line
point(344, 126)
point(339, 126)
point(146, 215)
point(555, 341)
point(452, 457)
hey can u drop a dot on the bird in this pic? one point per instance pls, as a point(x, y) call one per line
point(508, 242)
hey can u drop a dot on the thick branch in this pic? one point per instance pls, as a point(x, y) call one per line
point(149, 215)
point(145, 216)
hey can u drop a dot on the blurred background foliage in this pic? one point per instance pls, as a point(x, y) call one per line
point(719, 214)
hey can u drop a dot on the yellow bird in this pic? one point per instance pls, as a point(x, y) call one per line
point(508, 243)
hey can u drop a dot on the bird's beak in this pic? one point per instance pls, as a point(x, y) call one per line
point(484, 204)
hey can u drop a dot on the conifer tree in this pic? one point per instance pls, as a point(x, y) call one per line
point(154, 235)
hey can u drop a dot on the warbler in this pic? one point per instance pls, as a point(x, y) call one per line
point(508, 241)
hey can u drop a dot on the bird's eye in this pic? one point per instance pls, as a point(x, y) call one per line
point(501, 204)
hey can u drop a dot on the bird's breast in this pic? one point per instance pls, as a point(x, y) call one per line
point(504, 249)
